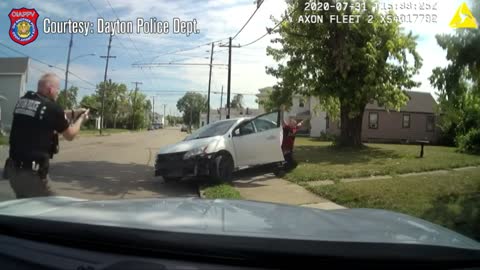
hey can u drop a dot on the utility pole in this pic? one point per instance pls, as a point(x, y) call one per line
point(164, 111)
point(133, 104)
point(66, 71)
point(191, 114)
point(221, 103)
point(209, 84)
point(229, 73)
point(105, 82)
point(153, 111)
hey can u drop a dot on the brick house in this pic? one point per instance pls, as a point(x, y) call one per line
point(415, 121)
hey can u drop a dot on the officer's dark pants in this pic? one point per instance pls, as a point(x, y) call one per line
point(27, 182)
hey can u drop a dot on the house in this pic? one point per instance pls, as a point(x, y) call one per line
point(13, 81)
point(415, 121)
point(302, 109)
point(221, 113)
point(158, 119)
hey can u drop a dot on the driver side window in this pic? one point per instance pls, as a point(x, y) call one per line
point(245, 129)
point(267, 122)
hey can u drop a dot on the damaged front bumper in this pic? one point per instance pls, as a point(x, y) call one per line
point(173, 165)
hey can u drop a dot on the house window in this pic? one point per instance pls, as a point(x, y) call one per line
point(327, 122)
point(373, 120)
point(406, 121)
point(301, 103)
point(430, 123)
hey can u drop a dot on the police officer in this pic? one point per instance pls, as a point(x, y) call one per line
point(37, 121)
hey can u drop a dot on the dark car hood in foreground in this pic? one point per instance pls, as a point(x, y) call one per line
point(242, 218)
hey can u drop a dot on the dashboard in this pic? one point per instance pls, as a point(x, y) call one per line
point(25, 254)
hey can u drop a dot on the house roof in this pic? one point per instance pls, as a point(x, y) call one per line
point(419, 102)
point(14, 65)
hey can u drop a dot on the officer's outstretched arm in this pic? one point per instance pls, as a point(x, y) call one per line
point(71, 132)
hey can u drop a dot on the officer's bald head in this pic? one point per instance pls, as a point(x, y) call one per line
point(49, 85)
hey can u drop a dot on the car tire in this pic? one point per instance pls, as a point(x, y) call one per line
point(167, 179)
point(222, 168)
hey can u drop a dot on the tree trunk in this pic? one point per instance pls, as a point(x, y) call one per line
point(351, 128)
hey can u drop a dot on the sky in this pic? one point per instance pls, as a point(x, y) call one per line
point(216, 20)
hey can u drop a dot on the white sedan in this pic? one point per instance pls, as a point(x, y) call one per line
point(222, 147)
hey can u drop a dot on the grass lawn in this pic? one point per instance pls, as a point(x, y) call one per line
point(321, 161)
point(220, 191)
point(3, 140)
point(451, 200)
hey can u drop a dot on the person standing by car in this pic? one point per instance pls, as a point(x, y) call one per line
point(289, 132)
point(37, 122)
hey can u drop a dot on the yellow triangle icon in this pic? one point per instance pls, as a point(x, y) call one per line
point(463, 18)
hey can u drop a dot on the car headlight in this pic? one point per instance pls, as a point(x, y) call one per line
point(196, 152)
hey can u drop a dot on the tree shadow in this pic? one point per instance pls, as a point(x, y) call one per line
point(458, 212)
point(113, 180)
point(327, 154)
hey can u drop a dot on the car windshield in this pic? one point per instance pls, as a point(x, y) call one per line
point(212, 130)
point(365, 110)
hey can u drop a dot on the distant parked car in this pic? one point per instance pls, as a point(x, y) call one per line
point(184, 128)
point(222, 147)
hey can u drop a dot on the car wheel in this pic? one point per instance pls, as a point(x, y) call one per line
point(167, 179)
point(222, 168)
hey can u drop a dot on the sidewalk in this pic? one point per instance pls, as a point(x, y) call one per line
point(269, 188)
point(385, 177)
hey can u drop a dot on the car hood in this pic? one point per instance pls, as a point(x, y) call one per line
point(242, 218)
point(185, 146)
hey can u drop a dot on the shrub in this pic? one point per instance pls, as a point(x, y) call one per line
point(327, 137)
point(470, 142)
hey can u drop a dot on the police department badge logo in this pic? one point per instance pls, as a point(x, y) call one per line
point(23, 25)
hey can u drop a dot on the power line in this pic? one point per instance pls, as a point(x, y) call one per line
point(241, 29)
point(269, 31)
point(98, 13)
point(177, 64)
point(49, 65)
point(133, 43)
point(188, 49)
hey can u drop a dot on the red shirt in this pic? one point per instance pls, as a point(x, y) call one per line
point(288, 137)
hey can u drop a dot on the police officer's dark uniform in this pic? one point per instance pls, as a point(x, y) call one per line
point(37, 121)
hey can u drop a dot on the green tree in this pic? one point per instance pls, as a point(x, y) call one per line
point(140, 110)
point(458, 84)
point(237, 102)
point(346, 66)
point(192, 104)
point(91, 102)
point(266, 102)
point(116, 101)
point(70, 101)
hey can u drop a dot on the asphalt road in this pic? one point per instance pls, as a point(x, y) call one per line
point(119, 166)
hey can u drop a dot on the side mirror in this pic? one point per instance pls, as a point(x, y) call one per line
point(236, 132)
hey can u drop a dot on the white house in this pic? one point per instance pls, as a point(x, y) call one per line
point(13, 81)
point(303, 108)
